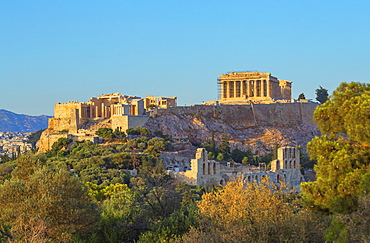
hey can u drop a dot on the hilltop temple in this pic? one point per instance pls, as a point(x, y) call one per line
point(244, 87)
point(80, 120)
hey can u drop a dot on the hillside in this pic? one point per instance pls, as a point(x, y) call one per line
point(257, 127)
point(12, 122)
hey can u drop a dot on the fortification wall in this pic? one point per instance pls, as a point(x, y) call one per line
point(64, 110)
point(47, 139)
point(278, 114)
point(122, 123)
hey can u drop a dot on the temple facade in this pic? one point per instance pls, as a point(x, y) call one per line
point(240, 87)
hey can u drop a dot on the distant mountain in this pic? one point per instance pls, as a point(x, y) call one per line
point(12, 122)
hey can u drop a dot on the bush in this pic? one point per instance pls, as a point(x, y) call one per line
point(139, 131)
point(105, 133)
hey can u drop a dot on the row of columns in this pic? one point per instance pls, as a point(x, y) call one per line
point(86, 112)
point(92, 111)
point(249, 88)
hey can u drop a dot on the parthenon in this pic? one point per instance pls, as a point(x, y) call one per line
point(253, 86)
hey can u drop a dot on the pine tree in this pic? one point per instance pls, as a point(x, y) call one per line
point(301, 96)
point(342, 152)
point(321, 95)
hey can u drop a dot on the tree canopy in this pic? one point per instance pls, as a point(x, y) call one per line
point(342, 152)
point(301, 96)
point(255, 213)
point(46, 204)
point(321, 95)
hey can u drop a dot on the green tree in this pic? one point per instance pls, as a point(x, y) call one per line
point(321, 95)
point(157, 191)
point(158, 133)
point(220, 157)
point(6, 170)
point(224, 147)
point(172, 227)
point(245, 160)
point(342, 152)
point(357, 223)
point(301, 96)
point(49, 205)
point(105, 133)
point(132, 131)
point(122, 217)
point(62, 143)
point(120, 135)
point(144, 131)
point(211, 155)
point(212, 143)
point(238, 155)
point(139, 131)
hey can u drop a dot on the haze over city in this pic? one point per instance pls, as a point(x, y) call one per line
point(71, 50)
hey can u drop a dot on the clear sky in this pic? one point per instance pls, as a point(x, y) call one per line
point(58, 51)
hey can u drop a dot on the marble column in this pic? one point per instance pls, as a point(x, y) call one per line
point(251, 87)
point(227, 89)
point(242, 88)
point(235, 89)
point(255, 88)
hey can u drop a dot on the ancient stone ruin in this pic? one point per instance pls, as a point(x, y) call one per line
point(80, 120)
point(239, 87)
point(285, 171)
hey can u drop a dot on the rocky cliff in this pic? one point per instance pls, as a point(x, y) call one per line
point(257, 127)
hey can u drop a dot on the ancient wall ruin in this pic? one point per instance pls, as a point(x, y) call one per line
point(203, 172)
point(285, 171)
point(122, 123)
point(277, 114)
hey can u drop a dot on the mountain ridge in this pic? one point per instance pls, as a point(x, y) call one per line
point(13, 122)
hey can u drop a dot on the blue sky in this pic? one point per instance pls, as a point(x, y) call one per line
point(58, 51)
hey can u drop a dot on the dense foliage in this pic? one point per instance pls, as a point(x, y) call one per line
point(43, 203)
point(119, 191)
point(321, 95)
point(342, 152)
point(258, 213)
point(343, 161)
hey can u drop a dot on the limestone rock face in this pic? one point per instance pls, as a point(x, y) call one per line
point(257, 127)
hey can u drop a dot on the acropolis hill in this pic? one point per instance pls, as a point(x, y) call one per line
point(255, 111)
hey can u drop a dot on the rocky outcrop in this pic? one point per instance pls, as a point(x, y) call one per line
point(257, 127)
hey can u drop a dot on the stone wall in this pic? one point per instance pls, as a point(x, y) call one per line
point(47, 139)
point(203, 172)
point(256, 127)
point(278, 114)
point(122, 123)
point(68, 121)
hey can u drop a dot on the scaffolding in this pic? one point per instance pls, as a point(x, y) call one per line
point(219, 89)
